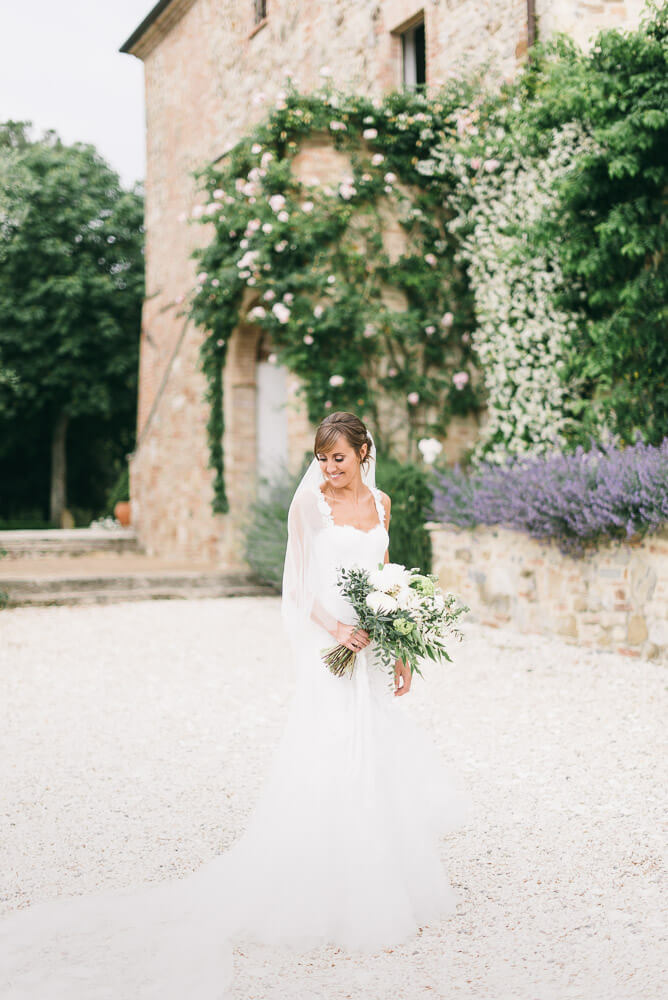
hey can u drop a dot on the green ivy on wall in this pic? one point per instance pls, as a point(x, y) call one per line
point(309, 263)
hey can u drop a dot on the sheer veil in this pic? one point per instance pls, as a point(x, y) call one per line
point(301, 579)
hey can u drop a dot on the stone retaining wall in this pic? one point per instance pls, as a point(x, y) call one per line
point(615, 598)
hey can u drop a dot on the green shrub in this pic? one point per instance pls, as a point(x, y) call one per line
point(409, 491)
point(120, 491)
point(266, 532)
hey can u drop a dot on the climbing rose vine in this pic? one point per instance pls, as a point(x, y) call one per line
point(355, 281)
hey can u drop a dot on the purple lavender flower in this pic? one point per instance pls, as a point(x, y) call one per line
point(578, 499)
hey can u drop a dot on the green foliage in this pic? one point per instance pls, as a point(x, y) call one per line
point(612, 225)
point(408, 488)
point(71, 288)
point(266, 532)
point(120, 490)
point(309, 264)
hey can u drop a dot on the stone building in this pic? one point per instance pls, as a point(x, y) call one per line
point(211, 68)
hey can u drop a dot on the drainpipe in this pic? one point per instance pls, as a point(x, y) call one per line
point(531, 22)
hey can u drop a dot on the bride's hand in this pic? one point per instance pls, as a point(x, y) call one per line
point(402, 671)
point(351, 637)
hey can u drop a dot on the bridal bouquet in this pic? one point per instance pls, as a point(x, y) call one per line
point(405, 613)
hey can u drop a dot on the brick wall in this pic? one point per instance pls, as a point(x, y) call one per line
point(582, 19)
point(615, 598)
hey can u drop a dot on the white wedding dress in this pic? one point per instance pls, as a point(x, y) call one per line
point(342, 846)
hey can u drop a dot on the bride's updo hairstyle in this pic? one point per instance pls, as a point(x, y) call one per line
point(352, 428)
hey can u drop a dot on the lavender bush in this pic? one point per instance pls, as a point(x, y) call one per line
point(579, 499)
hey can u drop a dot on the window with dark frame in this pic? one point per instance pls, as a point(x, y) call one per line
point(260, 10)
point(413, 57)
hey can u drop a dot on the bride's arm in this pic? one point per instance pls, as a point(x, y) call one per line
point(402, 672)
point(338, 630)
point(387, 504)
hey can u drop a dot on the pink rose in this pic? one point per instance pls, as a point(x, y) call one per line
point(281, 312)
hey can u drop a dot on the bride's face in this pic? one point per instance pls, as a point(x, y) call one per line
point(340, 466)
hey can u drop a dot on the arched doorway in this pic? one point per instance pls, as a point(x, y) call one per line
point(271, 417)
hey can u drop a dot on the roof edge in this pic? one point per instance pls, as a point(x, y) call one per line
point(172, 9)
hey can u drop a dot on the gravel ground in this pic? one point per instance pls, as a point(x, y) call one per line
point(134, 738)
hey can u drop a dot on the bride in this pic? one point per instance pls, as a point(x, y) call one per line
point(343, 844)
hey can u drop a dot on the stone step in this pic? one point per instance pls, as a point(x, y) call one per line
point(101, 589)
point(67, 542)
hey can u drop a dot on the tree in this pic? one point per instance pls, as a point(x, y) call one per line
point(613, 226)
point(71, 288)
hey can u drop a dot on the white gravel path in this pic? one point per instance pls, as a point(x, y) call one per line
point(134, 738)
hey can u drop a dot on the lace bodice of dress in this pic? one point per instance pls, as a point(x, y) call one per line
point(344, 545)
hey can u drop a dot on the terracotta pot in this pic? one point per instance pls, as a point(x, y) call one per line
point(122, 512)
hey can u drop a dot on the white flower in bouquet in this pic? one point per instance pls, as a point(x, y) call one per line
point(406, 599)
point(390, 576)
point(381, 602)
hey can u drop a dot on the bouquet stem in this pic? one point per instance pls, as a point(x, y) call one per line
point(340, 660)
